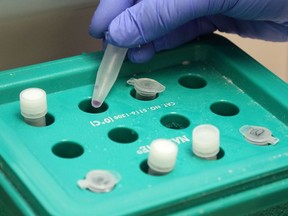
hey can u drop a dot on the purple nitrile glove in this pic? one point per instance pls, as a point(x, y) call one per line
point(149, 26)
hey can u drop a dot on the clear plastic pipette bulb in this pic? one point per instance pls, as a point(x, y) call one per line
point(107, 73)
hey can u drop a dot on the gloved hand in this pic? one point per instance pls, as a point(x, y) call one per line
point(149, 26)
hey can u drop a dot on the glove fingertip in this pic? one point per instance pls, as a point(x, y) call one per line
point(116, 39)
point(123, 31)
point(94, 33)
point(142, 54)
point(96, 28)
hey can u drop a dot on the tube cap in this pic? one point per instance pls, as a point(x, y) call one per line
point(99, 181)
point(162, 155)
point(258, 135)
point(206, 141)
point(146, 88)
point(33, 103)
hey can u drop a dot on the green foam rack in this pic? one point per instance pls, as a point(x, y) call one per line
point(208, 81)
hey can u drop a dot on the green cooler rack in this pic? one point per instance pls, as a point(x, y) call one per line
point(208, 81)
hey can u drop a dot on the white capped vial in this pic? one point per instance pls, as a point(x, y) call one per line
point(33, 106)
point(206, 141)
point(99, 181)
point(162, 156)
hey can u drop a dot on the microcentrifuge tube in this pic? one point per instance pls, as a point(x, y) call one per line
point(146, 89)
point(258, 135)
point(107, 73)
point(100, 181)
point(162, 157)
point(206, 141)
point(33, 106)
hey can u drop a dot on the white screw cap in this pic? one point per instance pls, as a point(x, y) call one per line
point(33, 103)
point(162, 156)
point(206, 141)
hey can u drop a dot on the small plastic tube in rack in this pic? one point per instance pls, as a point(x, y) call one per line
point(107, 73)
point(100, 181)
point(146, 89)
point(258, 135)
point(33, 106)
point(206, 141)
point(162, 157)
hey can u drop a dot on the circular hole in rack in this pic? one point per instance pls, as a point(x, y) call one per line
point(192, 82)
point(133, 94)
point(220, 154)
point(175, 121)
point(145, 169)
point(224, 108)
point(87, 107)
point(123, 135)
point(144, 166)
point(49, 119)
point(67, 149)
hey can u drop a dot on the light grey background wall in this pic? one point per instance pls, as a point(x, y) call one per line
point(45, 33)
point(34, 31)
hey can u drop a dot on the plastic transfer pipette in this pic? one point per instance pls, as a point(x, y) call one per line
point(107, 73)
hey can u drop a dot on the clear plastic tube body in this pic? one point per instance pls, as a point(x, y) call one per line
point(107, 73)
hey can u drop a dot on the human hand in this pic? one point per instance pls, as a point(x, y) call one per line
point(149, 26)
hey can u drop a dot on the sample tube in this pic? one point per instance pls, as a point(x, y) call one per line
point(206, 141)
point(146, 89)
point(99, 181)
point(162, 157)
point(258, 135)
point(107, 73)
point(33, 106)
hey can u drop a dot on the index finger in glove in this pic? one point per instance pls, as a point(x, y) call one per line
point(151, 19)
point(106, 11)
